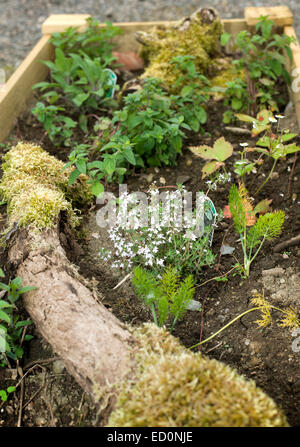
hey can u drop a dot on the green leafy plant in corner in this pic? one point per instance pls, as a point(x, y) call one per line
point(263, 62)
point(273, 144)
point(11, 327)
point(267, 227)
point(95, 40)
point(166, 296)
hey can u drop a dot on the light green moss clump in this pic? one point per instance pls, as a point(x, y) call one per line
point(36, 188)
point(165, 42)
point(177, 388)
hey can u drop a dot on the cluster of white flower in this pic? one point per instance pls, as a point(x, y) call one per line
point(220, 179)
point(137, 243)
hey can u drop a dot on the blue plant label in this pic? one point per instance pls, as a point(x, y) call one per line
point(112, 81)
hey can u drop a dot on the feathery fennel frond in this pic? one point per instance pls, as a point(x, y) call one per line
point(166, 296)
point(266, 227)
point(182, 298)
point(144, 283)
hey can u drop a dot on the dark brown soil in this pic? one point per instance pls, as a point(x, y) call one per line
point(264, 355)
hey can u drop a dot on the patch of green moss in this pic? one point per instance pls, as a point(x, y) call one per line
point(36, 188)
point(165, 42)
point(177, 388)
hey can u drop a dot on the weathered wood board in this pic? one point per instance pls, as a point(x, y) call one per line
point(281, 15)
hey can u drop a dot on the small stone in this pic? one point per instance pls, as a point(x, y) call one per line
point(58, 367)
point(194, 305)
point(162, 180)
point(182, 179)
point(156, 170)
point(40, 421)
point(277, 271)
point(274, 176)
point(285, 256)
point(189, 162)
point(282, 281)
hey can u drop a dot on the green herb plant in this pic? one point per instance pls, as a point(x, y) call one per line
point(80, 78)
point(194, 93)
point(115, 159)
point(152, 125)
point(274, 143)
point(167, 296)
point(4, 393)
point(95, 41)
point(267, 227)
point(263, 63)
point(11, 327)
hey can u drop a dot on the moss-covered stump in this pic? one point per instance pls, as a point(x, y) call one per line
point(35, 186)
point(197, 36)
point(138, 377)
point(174, 387)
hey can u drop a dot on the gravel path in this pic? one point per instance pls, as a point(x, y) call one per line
point(20, 20)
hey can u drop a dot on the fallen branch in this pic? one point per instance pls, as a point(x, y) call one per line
point(293, 241)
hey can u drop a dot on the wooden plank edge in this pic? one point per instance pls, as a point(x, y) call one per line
point(281, 15)
point(56, 23)
point(18, 89)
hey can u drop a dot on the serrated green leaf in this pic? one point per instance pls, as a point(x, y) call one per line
point(97, 188)
point(211, 167)
point(5, 317)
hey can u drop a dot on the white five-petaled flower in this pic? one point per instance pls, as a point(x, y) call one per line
point(272, 120)
point(279, 116)
point(244, 144)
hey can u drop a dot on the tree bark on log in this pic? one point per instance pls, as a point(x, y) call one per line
point(91, 341)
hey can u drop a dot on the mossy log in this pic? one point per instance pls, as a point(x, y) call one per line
point(197, 36)
point(138, 377)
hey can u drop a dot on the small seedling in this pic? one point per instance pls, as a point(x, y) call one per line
point(165, 296)
point(267, 227)
point(11, 327)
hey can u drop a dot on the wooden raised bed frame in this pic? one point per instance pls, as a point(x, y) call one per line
point(18, 90)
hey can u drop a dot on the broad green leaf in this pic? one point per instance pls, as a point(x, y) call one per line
point(26, 289)
point(4, 287)
point(5, 317)
point(81, 166)
point(263, 206)
point(288, 136)
point(225, 38)
point(236, 104)
point(80, 98)
point(129, 155)
point(186, 90)
point(211, 167)
point(4, 304)
point(109, 165)
point(97, 188)
point(201, 115)
point(74, 176)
